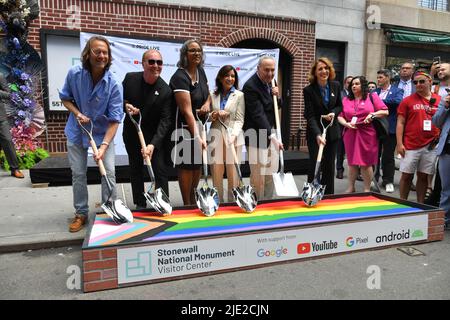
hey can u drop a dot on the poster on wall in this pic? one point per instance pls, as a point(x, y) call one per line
point(63, 52)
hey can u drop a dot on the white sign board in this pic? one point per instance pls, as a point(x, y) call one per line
point(192, 257)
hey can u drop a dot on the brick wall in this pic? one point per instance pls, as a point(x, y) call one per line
point(172, 22)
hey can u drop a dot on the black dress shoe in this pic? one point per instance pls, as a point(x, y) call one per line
point(359, 178)
point(340, 174)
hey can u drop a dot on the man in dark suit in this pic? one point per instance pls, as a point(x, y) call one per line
point(405, 82)
point(5, 135)
point(258, 123)
point(391, 96)
point(148, 92)
point(340, 152)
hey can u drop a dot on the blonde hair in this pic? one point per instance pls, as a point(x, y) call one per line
point(312, 71)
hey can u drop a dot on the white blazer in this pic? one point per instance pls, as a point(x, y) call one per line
point(236, 107)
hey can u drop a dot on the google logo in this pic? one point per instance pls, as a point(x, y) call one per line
point(271, 253)
point(350, 242)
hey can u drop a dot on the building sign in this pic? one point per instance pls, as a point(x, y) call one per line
point(193, 257)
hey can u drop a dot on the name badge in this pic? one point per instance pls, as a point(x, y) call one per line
point(426, 125)
point(354, 119)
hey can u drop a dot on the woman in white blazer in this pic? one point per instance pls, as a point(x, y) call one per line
point(228, 105)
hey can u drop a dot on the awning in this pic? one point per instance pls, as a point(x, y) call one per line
point(409, 36)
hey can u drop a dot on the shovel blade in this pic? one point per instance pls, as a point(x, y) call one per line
point(207, 200)
point(312, 193)
point(118, 211)
point(245, 197)
point(285, 184)
point(159, 201)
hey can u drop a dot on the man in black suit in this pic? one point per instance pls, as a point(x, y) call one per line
point(5, 134)
point(258, 123)
point(340, 152)
point(148, 92)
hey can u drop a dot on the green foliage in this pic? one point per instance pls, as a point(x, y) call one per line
point(27, 161)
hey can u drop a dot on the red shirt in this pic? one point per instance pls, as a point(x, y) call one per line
point(416, 109)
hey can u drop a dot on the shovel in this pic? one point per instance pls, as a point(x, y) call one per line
point(158, 199)
point(313, 192)
point(207, 198)
point(284, 182)
point(245, 196)
point(115, 209)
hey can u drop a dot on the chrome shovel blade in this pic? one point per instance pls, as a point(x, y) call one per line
point(118, 211)
point(159, 201)
point(245, 197)
point(285, 184)
point(207, 200)
point(312, 193)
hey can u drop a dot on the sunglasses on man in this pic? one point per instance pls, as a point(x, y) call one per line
point(153, 61)
point(421, 81)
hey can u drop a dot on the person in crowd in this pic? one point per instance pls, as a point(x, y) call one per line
point(340, 152)
point(441, 119)
point(91, 93)
point(191, 92)
point(146, 92)
point(417, 136)
point(259, 120)
point(433, 195)
point(360, 108)
point(391, 96)
point(371, 85)
point(5, 134)
point(405, 82)
point(228, 106)
point(322, 98)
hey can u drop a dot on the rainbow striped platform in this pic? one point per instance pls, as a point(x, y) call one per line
point(185, 223)
point(188, 244)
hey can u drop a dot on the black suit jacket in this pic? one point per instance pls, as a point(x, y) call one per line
point(259, 112)
point(155, 103)
point(315, 108)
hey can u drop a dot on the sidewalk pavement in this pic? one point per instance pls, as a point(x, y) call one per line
point(38, 218)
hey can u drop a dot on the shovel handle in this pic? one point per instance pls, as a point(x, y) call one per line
point(204, 154)
point(277, 116)
point(100, 162)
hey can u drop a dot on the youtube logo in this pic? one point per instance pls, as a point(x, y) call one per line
point(303, 248)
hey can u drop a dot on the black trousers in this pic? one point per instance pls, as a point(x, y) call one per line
point(386, 152)
point(327, 165)
point(340, 152)
point(138, 171)
point(7, 145)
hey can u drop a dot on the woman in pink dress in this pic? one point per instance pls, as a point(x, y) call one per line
point(359, 135)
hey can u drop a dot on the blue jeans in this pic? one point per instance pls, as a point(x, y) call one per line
point(78, 164)
point(444, 168)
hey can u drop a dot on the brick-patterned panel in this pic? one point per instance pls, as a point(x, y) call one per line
point(176, 22)
point(99, 269)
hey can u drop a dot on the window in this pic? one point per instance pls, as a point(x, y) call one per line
point(438, 5)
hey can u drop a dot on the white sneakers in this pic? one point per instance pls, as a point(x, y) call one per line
point(389, 188)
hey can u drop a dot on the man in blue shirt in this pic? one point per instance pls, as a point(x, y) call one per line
point(91, 93)
point(391, 96)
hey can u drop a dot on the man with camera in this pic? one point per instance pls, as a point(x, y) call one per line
point(417, 136)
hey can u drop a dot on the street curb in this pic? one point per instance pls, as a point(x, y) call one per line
point(39, 241)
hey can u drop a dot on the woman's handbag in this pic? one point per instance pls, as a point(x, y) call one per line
point(381, 125)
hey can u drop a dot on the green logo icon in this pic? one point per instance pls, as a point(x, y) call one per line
point(417, 234)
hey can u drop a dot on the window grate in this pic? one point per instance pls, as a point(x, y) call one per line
point(438, 5)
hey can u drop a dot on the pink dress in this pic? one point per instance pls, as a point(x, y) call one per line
point(361, 144)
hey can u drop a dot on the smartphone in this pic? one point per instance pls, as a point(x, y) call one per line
point(437, 60)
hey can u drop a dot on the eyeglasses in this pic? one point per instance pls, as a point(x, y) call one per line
point(153, 61)
point(195, 50)
point(421, 81)
point(98, 52)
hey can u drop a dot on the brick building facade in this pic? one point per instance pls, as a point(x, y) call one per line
point(213, 27)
